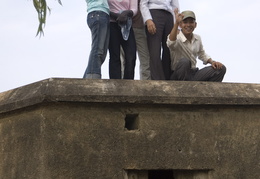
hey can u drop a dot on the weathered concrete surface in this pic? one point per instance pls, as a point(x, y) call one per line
point(75, 128)
point(130, 91)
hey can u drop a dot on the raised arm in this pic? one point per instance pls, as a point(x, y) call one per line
point(174, 32)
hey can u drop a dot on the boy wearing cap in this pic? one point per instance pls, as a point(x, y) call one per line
point(185, 47)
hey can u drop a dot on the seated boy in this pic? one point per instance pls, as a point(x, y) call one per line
point(185, 47)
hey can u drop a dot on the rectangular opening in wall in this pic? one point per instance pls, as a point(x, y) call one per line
point(135, 174)
point(157, 174)
point(167, 174)
point(190, 174)
point(131, 122)
point(148, 174)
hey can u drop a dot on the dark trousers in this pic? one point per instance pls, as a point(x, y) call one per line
point(184, 72)
point(129, 47)
point(160, 59)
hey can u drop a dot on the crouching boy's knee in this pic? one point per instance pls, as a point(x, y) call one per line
point(223, 69)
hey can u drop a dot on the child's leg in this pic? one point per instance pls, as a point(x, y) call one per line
point(210, 74)
point(182, 71)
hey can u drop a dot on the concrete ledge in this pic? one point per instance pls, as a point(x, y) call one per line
point(130, 91)
point(114, 129)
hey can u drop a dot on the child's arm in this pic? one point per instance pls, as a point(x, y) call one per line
point(147, 17)
point(215, 65)
point(174, 32)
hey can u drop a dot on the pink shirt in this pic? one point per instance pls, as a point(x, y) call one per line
point(117, 6)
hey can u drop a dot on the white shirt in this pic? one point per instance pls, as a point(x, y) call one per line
point(168, 5)
point(182, 48)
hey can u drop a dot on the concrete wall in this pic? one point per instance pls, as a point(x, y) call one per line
point(122, 129)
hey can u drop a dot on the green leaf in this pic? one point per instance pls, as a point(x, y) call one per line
point(42, 8)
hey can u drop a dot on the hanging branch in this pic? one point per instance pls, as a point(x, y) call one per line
point(41, 8)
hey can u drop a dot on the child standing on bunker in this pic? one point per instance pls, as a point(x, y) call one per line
point(186, 47)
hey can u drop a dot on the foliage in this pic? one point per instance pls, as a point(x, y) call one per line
point(41, 7)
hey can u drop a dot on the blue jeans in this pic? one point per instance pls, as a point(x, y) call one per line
point(98, 23)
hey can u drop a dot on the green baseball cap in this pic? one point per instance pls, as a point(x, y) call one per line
point(187, 14)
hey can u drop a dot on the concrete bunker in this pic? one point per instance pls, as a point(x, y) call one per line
point(121, 129)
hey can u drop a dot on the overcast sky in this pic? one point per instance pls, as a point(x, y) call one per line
point(229, 30)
